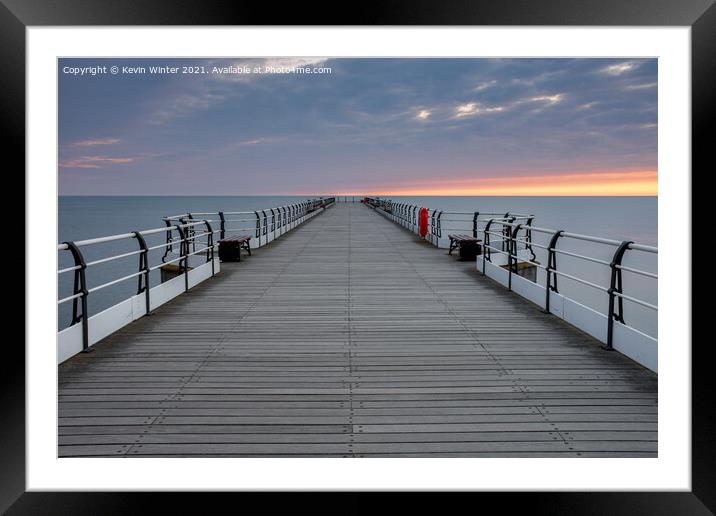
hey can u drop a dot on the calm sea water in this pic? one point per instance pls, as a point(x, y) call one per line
point(619, 218)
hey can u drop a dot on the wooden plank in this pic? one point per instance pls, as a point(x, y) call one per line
point(425, 437)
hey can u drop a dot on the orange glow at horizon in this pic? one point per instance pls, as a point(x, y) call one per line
point(621, 183)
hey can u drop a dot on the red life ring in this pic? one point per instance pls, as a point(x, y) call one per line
point(423, 221)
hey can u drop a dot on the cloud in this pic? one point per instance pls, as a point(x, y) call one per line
point(642, 86)
point(186, 103)
point(619, 68)
point(423, 114)
point(292, 62)
point(252, 142)
point(475, 108)
point(221, 87)
point(466, 109)
point(588, 105)
point(549, 99)
point(96, 141)
point(485, 85)
point(94, 162)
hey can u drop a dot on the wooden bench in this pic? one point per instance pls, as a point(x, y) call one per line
point(464, 241)
point(230, 248)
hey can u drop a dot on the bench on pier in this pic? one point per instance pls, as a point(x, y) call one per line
point(469, 246)
point(230, 248)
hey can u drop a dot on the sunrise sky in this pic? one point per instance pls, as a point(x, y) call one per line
point(370, 126)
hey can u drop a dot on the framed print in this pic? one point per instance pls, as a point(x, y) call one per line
point(446, 251)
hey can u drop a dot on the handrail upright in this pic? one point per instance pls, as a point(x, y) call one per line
point(258, 226)
point(80, 287)
point(169, 243)
point(210, 246)
point(512, 255)
point(184, 255)
point(222, 233)
point(551, 268)
point(506, 231)
point(487, 249)
point(474, 223)
point(143, 266)
point(191, 231)
point(615, 288)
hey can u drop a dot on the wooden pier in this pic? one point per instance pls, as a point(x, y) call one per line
point(351, 337)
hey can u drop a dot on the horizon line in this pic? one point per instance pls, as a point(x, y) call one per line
point(360, 195)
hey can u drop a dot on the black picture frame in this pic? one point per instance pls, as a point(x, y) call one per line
point(700, 15)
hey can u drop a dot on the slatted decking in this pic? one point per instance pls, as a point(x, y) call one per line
point(349, 337)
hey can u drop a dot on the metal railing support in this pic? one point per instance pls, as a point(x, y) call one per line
point(190, 231)
point(528, 238)
point(486, 251)
point(184, 254)
point(80, 287)
point(551, 266)
point(170, 246)
point(210, 246)
point(222, 228)
point(258, 226)
point(615, 287)
point(143, 266)
point(506, 232)
point(512, 255)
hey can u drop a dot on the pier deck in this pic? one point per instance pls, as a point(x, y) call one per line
point(350, 337)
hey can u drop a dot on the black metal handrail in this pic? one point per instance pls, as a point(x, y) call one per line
point(614, 291)
point(441, 221)
point(259, 222)
point(513, 230)
point(185, 225)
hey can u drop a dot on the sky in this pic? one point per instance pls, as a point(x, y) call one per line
point(357, 126)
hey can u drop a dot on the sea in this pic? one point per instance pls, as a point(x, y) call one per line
point(617, 218)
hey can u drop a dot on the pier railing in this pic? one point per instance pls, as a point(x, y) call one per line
point(265, 225)
point(511, 245)
point(188, 243)
point(442, 223)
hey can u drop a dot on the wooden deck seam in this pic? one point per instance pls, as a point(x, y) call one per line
point(222, 339)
